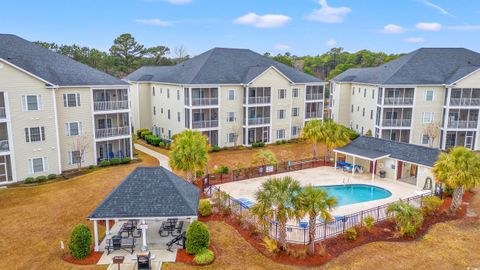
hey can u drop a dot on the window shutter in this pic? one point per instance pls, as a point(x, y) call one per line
point(45, 164)
point(80, 128)
point(27, 135)
point(67, 129)
point(234, 116)
point(78, 99)
point(43, 133)
point(65, 100)
point(69, 157)
point(30, 165)
point(24, 103)
point(39, 102)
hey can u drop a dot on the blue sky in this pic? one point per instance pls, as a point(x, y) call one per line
point(297, 26)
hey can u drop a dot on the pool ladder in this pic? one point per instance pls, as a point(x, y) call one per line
point(346, 181)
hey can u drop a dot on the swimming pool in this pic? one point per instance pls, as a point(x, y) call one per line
point(355, 193)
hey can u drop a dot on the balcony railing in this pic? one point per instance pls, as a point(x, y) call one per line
point(398, 101)
point(462, 124)
point(259, 100)
point(110, 105)
point(309, 115)
point(4, 146)
point(465, 102)
point(258, 121)
point(111, 132)
point(205, 124)
point(396, 122)
point(3, 113)
point(205, 101)
point(314, 96)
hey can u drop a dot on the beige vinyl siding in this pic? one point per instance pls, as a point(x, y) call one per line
point(297, 102)
point(226, 106)
point(423, 106)
point(159, 101)
point(362, 102)
point(342, 95)
point(140, 95)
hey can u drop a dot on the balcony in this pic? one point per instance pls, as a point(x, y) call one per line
point(259, 100)
point(110, 105)
point(462, 124)
point(4, 147)
point(309, 115)
point(112, 132)
point(314, 96)
point(397, 122)
point(205, 124)
point(258, 121)
point(398, 101)
point(205, 101)
point(465, 102)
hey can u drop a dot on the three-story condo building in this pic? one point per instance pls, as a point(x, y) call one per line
point(233, 96)
point(430, 91)
point(56, 113)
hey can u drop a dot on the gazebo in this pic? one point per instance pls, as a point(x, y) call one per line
point(148, 194)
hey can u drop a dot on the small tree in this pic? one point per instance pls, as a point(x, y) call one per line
point(264, 157)
point(189, 153)
point(80, 241)
point(197, 237)
point(80, 143)
point(407, 218)
point(235, 129)
point(432, 130)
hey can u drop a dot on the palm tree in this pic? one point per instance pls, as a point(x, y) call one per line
point(312, 132)
point(315, 202)
point(334, 135)
point(277, 199)
point(407, 218)
point(458, 169)
point(189, 153)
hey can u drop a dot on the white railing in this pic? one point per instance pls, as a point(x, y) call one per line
point(259, 100)
point(396, 122)
point(205, 124)
point(464, 101)
point(313, 115)
point(398, 101)
point(3, 113)
point(4, 146)
point(110, 105)
point(259, 121)
point(204, 101)
point(462, 124)
point(314, 96)
point(111, 132)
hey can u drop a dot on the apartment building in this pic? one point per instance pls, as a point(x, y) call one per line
point(56, 113)
point(233, 96)
point(404, 100)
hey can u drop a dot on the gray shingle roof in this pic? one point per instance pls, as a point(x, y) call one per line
point(435, 66)
point(150, 192)
point(52, 67)
point(375, 147)
point(219, 66)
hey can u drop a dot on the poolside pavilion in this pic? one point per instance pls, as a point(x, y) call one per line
point(398, 161)
point(147, 198)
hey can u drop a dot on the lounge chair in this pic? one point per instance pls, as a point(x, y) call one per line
point(179, 240)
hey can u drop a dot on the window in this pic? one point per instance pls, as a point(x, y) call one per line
point(178, 94)
point(361, 131)
point(281, 134)
point(295, 131)
point(353, 91)
point(169, 134)
point(356, 126)
point(427, 117)
point(161, 110)
point(71, 100)
point(282, 93)
point(178, 116)
point(359, 89)
point(231, 117)
point(73, 128)
point(31, 103)
point(295, 92)
point(35, 134)
point(168, 92)
point(230, 137)
point(168, 114)
point(153, 90)
point(161, 90)
point(74, 157)
point(38, 165)
point(429, 95)
point(358, 108)
point(363, 112)
point(425, 139)
point(373, 93)
point(352, 108)
point(295, 111)
point(231, 95)
point(281, 114)
point(365, 92)
point(371, 114)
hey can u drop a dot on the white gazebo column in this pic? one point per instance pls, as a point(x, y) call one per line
point(335, 160)
point(374, 165)
point(353, 166)
point(144, 235)
point(107, 227)
point(95, 234)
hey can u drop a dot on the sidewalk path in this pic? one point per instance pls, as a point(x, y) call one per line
point(162, 159)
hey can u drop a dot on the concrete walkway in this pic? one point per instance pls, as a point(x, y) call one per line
point(162, 159)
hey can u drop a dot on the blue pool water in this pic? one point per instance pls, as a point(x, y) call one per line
point(355, 193)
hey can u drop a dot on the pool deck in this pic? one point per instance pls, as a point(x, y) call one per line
point(326, 176)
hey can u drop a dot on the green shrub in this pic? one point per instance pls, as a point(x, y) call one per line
point(199, 173)
point(145, 133)
point(205, 207)
point(407, 218)
point(261, 144)
point(125, 160)
point(222, 169)
point(161, 144)
point(284, 141)
point(80, 241)
point(156, 141)
point(352, 234)
point(139, 132)
point(448, 191)
point(431, 204)
point(167, 146)
point(254, 145)
point(270, 244)
point(114, 161)
point(104, 163)
point(52, 176)
point(91, 167)
point(368, 222)
point(197, 237)
point(278, 142)
point(204, 257)
point(216, 148)
point(29, 180)
point(41, 179)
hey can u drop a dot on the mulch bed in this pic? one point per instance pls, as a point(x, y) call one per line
point(91, 259)
point(184, 257)
point(382, 231)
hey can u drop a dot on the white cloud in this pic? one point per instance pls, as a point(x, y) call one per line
point(178, 2)
point(428, 26)
point(263, 21)
point(328, 14)
point(392, 29)
point(466, 27)
point(415, 40)
point(331, 43)
point(155, 22)
point(437, 7)
point(282, 47)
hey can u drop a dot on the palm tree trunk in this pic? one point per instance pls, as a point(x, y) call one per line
point(311, 235)
point(457, 199)
point(315, 154)
point(283, 236)
point(189, 176)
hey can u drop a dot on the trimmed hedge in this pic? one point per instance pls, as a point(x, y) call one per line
point(145, 133)
point(41, 179)
point(125, 160)
point(80, 241)
point(104, 163)
point(198, 237)
point(205, 208)
point(29, 180)
point(139, 132)
point(204, 257)
point(52, 176)
point(114, 161)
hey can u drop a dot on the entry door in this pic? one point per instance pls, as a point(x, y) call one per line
point(399, 170)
